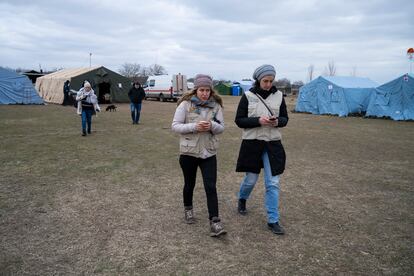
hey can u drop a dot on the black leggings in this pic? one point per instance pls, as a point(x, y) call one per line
point(208, 169)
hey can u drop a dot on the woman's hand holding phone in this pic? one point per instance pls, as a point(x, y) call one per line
point(268, 121)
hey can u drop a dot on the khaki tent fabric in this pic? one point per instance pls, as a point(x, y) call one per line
point(103, 80)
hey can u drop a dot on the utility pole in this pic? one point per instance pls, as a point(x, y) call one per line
point(90, 60)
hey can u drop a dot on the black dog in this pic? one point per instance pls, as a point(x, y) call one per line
point(111, 108)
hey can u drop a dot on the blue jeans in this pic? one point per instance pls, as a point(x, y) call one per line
point(135, 112)
point(87, 119)
point(271, 185)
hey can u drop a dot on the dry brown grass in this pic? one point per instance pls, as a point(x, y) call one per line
point(111, 203)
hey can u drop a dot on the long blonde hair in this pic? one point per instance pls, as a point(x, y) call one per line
point(213, 93)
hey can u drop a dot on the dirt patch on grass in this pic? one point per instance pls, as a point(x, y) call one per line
point(111, 203)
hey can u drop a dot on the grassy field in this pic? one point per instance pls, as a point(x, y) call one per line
point(111, 203)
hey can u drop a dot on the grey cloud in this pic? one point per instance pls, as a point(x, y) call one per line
point(223, 38)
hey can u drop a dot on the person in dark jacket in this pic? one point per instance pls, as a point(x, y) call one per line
point(136, 95)
point(261, 113)
point(66, 92)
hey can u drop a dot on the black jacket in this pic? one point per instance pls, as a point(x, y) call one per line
point(250, 155)
point(136, 95)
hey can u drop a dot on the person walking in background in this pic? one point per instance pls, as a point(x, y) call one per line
point(199, 119)
point(87, 104)
point(261, 113)
point(66, 92)
point(136, 95)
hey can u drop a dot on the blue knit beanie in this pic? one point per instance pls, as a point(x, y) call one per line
point(263, 71)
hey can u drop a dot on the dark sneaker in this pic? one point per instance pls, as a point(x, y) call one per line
point(83, 133)
point(241, 206)
point(189, 216)
point(216, 227)
point(276, 228)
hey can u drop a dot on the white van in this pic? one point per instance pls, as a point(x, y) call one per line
point(166, 87)
point(190, 86)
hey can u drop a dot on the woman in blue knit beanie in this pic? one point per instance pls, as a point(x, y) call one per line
point(261, 114)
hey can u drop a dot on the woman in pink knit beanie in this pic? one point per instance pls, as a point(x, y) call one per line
point(199, 119)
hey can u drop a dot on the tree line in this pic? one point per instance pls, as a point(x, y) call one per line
point(133, 70)
point(329, 70)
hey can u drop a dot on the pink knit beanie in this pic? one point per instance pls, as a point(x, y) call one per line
point(202, 80)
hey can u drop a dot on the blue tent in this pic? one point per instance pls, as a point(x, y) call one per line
point(394, 99)
point(17, 89)
point(335, 95)
point(245, 85)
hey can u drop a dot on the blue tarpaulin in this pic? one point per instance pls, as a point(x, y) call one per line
point(17, 89)
point(394, 99)
point(335, 95)
point(245, 85)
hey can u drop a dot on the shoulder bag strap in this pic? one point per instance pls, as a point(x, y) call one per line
point(268, 108)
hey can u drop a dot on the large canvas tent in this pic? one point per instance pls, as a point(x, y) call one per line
point(17, 89)
point(104, 82)
point(223, 88)
point(335, 95)
point(394, 99)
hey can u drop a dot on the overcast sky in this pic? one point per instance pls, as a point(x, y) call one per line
point(227, 39)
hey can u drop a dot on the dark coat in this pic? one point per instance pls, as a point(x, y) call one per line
point(250, 155)
point(136, 95)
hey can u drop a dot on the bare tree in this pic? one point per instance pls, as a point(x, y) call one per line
point(130, 70)
point(295, 87)
point(311, 69)
point(146, 71)
point(157, 70)
point(297, 84)
point(284, 82)
point(331, 70)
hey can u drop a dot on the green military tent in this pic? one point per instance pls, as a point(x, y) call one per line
point(106, 83)
point(223, 88)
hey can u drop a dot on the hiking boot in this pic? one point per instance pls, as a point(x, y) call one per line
point(216, 227)
point(276, 228)
point(189, 215)
point(241, 206)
